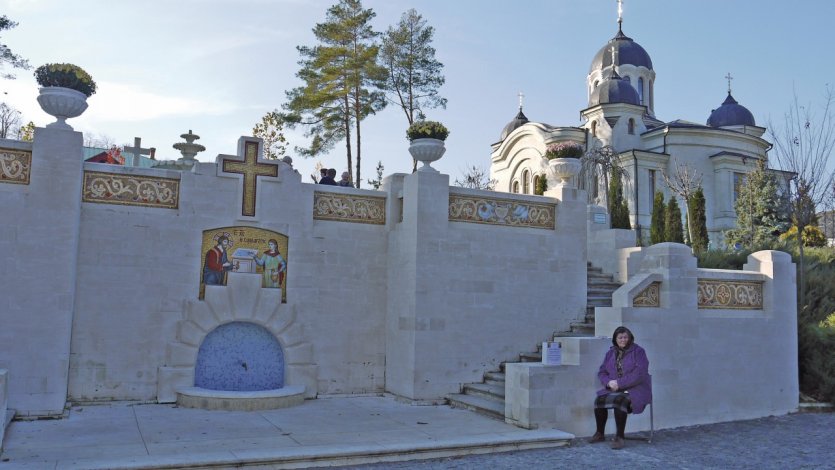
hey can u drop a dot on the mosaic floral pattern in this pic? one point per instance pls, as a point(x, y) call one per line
point(15, 166)
point(349, 208)
point(502, 212)
point(146, 191)
point(726, 294)
point(649, 297)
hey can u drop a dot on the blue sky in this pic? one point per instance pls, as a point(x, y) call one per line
point(164, 67)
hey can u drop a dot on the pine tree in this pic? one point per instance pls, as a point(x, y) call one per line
point(699, 220)
point(673, 231)
point(342, 82)
point(760, 211)
point(618, 209)
point(657, 228)
point(7, 57)
point(413, 73)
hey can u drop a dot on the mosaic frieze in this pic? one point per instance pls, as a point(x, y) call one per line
point(15, 166)
point(729, 294)
point(649, 297)
point(131, 190)
point(349, 208)
point(502, 212)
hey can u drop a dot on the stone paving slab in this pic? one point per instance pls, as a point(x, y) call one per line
point(797, 441)
point(322, 432)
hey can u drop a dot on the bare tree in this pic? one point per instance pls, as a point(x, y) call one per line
point(684, 182)
point(802, 145)
point(475, 177)
point(99, 140)
point(601, 163)
point(9, 121)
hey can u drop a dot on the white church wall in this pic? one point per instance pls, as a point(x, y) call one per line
point(40, 235)
point(690, 341)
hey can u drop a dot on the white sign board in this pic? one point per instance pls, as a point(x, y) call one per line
point(552, 353)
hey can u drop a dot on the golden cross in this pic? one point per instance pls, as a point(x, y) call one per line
point(251, 170)
point(729, 77)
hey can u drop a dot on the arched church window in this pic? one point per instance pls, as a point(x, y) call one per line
point(594, 129)
point(596, 82)
point(535, 183)
point(526, 182)
point(641, 89)
point(515, 187)
point(631, 126)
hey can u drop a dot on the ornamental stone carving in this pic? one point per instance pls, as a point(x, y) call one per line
point(349, 208)
point(15, 166)
point(649, 297)
point(502, 212)
point(730, 294)
point(131, 190)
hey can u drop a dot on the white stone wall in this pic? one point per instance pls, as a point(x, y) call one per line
point(708, 365)
point(39, 235)
point(417, 307)
point(465, 297)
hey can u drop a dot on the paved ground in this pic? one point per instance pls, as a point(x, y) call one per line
point(327, 431)
point(339, 431)
point(799, 441)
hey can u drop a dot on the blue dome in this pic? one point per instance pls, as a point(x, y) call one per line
point(629, 52)
point(516, 123)
point(730, 113)
point(614, 89)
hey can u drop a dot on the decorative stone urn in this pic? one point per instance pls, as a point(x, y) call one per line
point(564, 169)
point(427, 151)
point(63, 103)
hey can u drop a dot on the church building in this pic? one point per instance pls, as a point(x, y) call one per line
point(621, 114)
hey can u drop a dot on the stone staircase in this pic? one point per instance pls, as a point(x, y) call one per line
point(487, 397)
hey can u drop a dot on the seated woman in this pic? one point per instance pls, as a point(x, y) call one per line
point(624, 375)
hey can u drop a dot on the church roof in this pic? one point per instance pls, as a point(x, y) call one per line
point(628, 52)
point(730, 113)
point(614, 89)
point(516, 123)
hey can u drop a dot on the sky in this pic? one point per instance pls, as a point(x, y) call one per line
point(216, 67)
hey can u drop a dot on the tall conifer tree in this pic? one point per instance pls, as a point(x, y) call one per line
point(657, 225)
point(342, 82)
point(699, 220)
point(673, 231)
point(760, 212)
point(618, 209)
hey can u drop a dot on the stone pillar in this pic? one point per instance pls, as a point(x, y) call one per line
point(780, 299)
point(41, 230)
point(414, 318)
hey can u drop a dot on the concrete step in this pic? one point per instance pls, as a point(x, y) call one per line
point(583, 328)
point(485, 390)
point(494, 377)
point(599, 302)
point(491, 408)
point(530, 357)
point(612, 286)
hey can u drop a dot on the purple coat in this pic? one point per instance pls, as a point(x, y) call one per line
point(635, 377)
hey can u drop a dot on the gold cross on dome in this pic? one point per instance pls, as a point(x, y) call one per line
point(729, 77)
point(251, 170)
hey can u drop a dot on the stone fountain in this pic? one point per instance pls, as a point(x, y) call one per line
point(188, 149)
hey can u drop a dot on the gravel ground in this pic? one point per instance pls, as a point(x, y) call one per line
point(798, 441)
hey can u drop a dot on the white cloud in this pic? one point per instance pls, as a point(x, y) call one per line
point(124, 102)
